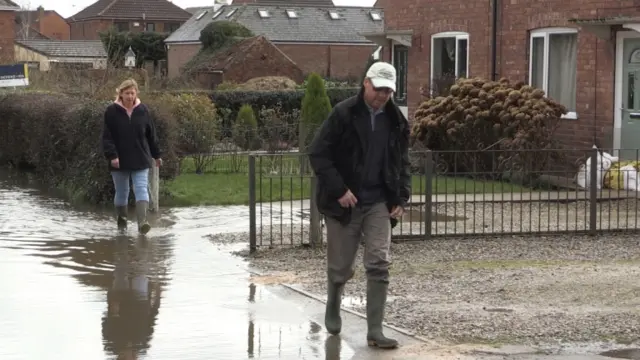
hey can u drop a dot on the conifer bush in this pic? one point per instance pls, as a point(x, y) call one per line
point(315, 109)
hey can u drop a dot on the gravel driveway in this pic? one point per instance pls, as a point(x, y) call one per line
point(507, 290)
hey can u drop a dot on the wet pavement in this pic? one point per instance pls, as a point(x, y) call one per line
point(72, 288)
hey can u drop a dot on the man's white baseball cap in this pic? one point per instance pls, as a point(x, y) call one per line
point(382, 74)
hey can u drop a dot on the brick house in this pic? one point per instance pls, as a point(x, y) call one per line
point(585, 54)
point(247, 59)
point(41, 23)
point(318, 39)
point(126, 15)
point(7, 30)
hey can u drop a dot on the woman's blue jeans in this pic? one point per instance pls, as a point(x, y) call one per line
point(140, 179)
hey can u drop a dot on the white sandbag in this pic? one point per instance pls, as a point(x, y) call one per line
point(604, 161)
point(630, 178)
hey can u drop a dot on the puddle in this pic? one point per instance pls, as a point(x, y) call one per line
point(633, 354)
point(80, 291)
point(414, 215)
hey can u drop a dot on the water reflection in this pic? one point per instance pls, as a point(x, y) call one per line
point(132, 301)
point(171, 295)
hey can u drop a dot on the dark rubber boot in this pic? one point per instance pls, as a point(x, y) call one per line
point(141, 212)
point(332, 320)
point(376, 300)
point(121, 213)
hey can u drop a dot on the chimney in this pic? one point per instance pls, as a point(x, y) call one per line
point(40, 19)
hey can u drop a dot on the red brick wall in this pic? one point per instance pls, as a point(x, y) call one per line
point(89, 29)
point(7, 36)
point(263, 60)
point(595, 79)
point(178, 55)
point(54, 26)
point(335, 61)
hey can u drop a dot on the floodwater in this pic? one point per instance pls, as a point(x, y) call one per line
point(72, 288)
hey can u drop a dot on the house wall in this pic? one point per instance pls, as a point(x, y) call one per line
point(595, 57)
point(263, 59)
point(7, 36)
point(333, 61)
point(90, 29)
point(54, 26)
point(178, 55)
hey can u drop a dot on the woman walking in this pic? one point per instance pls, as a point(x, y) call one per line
point(130, 145)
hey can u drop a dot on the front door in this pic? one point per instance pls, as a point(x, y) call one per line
point(630, 126)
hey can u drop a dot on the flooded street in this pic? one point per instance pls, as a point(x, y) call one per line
point(72, 288)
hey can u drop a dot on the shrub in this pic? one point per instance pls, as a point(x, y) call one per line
point(289, 101)
point(279, 132)
point(316, 106)
point(197, 127)
point(245, 129)
point(58, 138)
point(480, 115)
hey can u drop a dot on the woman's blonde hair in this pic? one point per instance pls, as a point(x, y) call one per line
point(127, 84)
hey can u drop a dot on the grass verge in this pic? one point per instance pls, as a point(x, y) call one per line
point(226, 182)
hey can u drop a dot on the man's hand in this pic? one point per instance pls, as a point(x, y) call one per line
point(348, 200)
point(115, 163)
point(397, 212)
point(158, 162)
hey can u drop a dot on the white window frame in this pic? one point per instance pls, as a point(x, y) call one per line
point(375, 16)
point(544, 33)
point(263, 13)
point(230, 13)
point(458, 35)
point(292, 14)
point(216, 14)
point(334, 15)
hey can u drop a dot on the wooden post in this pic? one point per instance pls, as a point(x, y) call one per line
point(154, 188)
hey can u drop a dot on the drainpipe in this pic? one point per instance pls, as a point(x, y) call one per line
point(494, 39)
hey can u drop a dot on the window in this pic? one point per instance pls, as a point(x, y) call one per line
point(230, 13)
point(553, 64)
point(121, 26)
point(216, 14)
point(449, 57)
point(292, 14)
point(376, 16)
point(202, 14)
point(263, 13)
point(334, 15)
point(401, 62)
point(151, 27)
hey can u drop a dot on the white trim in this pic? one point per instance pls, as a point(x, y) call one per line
point(458, 35)
point(617, 103)
point(9, 8)
point(544, 33)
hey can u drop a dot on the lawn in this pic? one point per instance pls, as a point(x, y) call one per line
point(226, 182)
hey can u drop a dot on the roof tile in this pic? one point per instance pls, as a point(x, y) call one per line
point(132, 9)
point(313, 24)
point(66, 48)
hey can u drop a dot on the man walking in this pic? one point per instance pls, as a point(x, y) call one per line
point(361, 161)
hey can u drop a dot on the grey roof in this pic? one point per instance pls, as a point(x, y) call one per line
point(66, 48)
point(131, 9)
point(8, 5)
point(313, 24)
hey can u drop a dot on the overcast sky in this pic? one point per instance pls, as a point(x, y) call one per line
point(67, 8)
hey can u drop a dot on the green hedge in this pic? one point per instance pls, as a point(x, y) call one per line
point(290, 100)
point(58, 138)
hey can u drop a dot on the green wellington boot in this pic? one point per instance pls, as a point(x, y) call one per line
point(141, 212)
point(376, 300)
point(332, 320)
point(121, 213)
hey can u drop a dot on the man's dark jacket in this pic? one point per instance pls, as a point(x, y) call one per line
point(337, 157)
